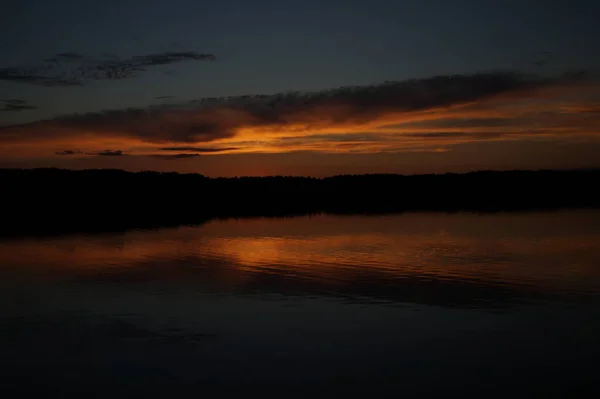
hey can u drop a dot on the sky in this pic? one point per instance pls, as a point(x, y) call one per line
point(318, 88)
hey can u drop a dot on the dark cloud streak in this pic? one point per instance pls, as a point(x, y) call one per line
point(13, 105)
point(121, 153)
point(68, 152)
point(197, 149)
point(107, 153)
point(73, 69)
point(175, 156)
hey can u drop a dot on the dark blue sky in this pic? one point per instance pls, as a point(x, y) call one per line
point(270, 46)
point(266, 47)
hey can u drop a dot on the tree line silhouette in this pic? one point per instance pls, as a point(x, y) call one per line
point(49, 200)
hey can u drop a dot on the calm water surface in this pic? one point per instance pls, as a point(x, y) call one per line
point(413, 305)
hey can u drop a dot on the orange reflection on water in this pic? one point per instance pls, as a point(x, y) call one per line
point(547, 250)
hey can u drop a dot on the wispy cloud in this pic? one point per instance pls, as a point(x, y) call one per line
point(391, 116)
point(175, 156)
point(102, 153)
point(108, 153)
point(68, 152)
point(198, 149)
point(161, 153)
point(13, 105)
point(73, 69)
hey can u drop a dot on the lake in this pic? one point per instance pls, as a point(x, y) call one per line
point(408, 305)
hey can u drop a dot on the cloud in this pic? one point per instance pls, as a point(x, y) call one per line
point(458, 135)
point(118, 153)
point(103, 153)
point(70, 56)
point(462, 122)
point(163, 97)
point(13, 105)
point(73, 69)
point(68, 152)
point(13, 101)
point(175, 156)
point(392, 116)
point(170, 57)
point(343, 137)
point(198, 149)
point(539, 120)
point(107, 153)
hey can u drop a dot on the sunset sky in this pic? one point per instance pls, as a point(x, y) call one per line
point(321, 87)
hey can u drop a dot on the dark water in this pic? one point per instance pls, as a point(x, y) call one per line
point(413, 305)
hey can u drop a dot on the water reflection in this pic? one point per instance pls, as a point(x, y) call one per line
point(502, 304)
point(445, 260)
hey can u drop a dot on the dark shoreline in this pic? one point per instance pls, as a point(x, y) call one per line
point(40, 202)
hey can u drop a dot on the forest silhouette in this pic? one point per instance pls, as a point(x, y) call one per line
point(55, 201)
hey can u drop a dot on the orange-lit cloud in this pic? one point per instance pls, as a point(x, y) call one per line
point(415, 115)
